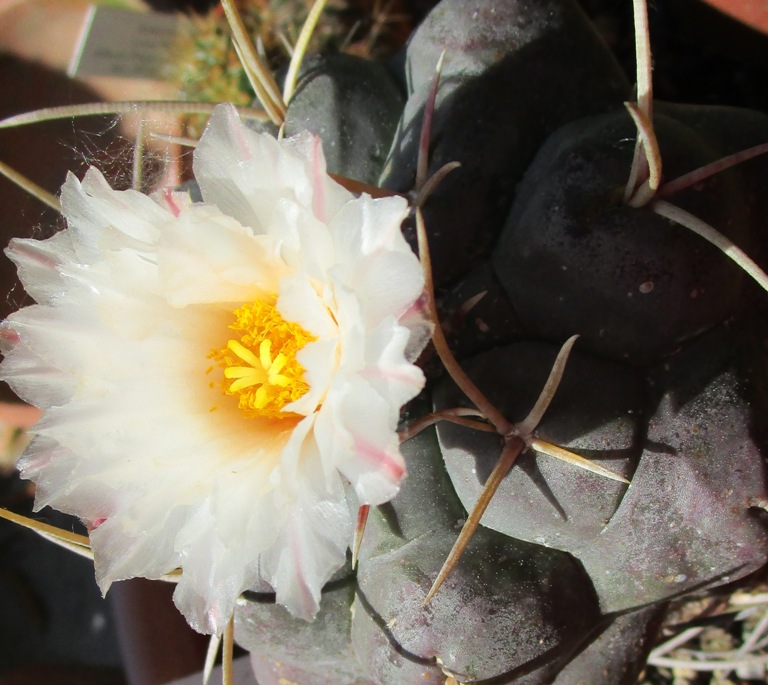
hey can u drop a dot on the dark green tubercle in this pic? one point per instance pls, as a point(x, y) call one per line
point(569, 574)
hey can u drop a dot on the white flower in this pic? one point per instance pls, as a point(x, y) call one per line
point(214, 375)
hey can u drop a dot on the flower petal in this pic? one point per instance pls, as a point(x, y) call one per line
point(38, 261)
point(312, 543)
point(246, 174)
point(355, 428)
point(374, 260)
point(206, 256)
point(101, 218)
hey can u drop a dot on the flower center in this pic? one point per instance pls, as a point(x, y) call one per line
point(260, 366)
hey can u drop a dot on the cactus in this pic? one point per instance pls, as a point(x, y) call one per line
point(568, 576)
point(536, 237)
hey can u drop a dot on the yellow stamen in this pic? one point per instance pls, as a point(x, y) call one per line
point(260, 367)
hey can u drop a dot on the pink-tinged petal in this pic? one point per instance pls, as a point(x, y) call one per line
point(311, 546)
point(8, 338)
point(388, 462)
point(387, 370)
point(175, 202)
point(38, 262)
point(334, 195)
point(29, 373)
point(93, 525)
point(355, 427)
point(374, 259)
point(245, 174)
point(421, 328)
point(122, 550)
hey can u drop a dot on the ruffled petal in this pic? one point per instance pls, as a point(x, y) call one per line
point(101, 218)
point(306, 245)
point(38, 261)
point(311, 546)
point(355, 429)
point(32, 374)
point(386, 368)
point(374, 260)
point(300, 301)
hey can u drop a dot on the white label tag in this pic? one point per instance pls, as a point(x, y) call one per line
point(119, 42)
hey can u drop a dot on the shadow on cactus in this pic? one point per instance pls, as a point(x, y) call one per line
point(657, 390)
point(558, 495)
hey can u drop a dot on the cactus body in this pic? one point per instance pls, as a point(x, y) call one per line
point(567, 577)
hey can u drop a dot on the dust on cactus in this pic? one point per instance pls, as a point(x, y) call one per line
point(661, 319)
point(558, 498)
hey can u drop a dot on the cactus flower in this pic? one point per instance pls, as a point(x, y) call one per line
point(220, 381)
